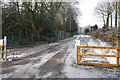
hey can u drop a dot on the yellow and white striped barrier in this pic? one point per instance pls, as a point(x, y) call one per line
point(3, 50)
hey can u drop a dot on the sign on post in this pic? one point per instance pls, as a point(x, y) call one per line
point(5, 40)
point(1, 42)
point(77, 42)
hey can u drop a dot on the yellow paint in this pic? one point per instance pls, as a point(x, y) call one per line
point(1, 51)
point(98, 55)
point(78, 55)
point(2, 54)
point(95, 47)
point(117, 58)
point(98, 64)
point(1, 46)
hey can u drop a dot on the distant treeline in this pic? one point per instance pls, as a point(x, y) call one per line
point(91, 28)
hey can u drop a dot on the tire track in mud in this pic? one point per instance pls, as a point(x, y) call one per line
point(35, 58)
point(10, 65)
point(53, 66)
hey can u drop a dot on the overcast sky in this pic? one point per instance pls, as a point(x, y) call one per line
point(88, 13)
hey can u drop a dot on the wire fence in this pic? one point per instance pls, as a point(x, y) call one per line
point(15, 40)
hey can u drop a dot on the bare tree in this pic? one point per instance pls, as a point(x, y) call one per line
point(116, 14)
point(119, 22)
point(105, 10)
point(101, 11)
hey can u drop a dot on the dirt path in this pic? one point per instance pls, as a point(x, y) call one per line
point(55, 61)
point(34, 63)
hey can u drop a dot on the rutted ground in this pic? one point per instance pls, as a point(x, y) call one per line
point(55, 61)
point(22, 68)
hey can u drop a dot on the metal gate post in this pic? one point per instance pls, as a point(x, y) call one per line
point(117, 58)
point(2, 54)
point(5, 47)
point(78, 55)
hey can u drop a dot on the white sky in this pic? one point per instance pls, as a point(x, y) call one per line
point(88, 13)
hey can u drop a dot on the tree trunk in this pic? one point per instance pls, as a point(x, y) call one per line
point(103, 19)
point(116, 15)
point(111, 20)
point(70, 23)
point(108, 20)
point(108, 14)
point(119, 28)
point(32, 23)
point(119, 22)
point(0, 21)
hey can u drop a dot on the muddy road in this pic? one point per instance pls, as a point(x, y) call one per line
point(56, 61)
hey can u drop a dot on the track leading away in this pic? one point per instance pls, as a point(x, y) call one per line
point(53, 62)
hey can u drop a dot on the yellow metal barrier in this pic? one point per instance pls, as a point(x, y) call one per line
point(3, 47)
point(2, 52)
point(94, 47)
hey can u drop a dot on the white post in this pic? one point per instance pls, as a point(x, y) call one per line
point(5, 47)
point(77, 43)
point(1, 42)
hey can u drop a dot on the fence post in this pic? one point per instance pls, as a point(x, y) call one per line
point(48, 37)
point(20, 37)
point(64, 35)
point(12, 41)
point(117, 59)
point(5, 46)
point(118, 45)
point(2, 55)
point(78, 55)
point(69, 34)
point(32, 39)
point(57, 36)
point(60, 35)
point(77, 43)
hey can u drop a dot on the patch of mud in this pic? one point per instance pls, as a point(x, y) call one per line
point(22, 62)
point(58, 56)
point(36, 54)
point(54, 60)
point(17, 62)
point(8, 70)
point(54, 65)
point(36, 61)
point(49, 63)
